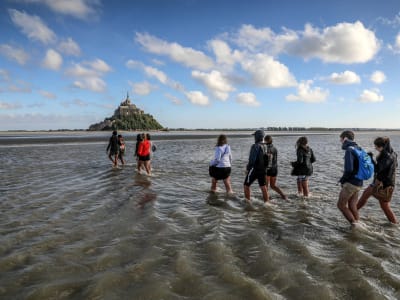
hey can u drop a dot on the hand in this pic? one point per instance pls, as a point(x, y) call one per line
point(370, 154)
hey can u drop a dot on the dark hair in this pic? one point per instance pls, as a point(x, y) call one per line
point(302, 142)
point(222, 140)
point(139, 137)
point(347, 134)
point(383, 142)
point(268, 139)
point(147, 136)
point(119, 136)
point(114, 132)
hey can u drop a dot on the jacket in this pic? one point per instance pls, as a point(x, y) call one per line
point(222, 157)
point(272, 154)
point(303, 165)
point(385, 168)
point(256, 159)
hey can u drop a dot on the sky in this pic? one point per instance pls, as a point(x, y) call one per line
point(66, 64)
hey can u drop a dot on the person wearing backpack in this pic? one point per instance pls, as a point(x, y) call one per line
point(220, 166)
point(256, 167)
point(302, 167)
point(384, 178)
point(350, 182)
point(272, 166)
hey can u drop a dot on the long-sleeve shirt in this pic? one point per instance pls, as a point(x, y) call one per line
point(222, 157)
point(350, 164)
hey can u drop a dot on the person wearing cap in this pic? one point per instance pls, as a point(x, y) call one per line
point(112, 148)
point(256, 167)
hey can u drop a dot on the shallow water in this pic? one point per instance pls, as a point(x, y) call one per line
point(72, 227)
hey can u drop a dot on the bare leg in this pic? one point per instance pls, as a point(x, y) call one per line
point(342, 205)
point(264, 191)
point(364, 197)
point(388, 211)
point(353, 206)
point(304, 184)
point(276, 188)
point(147, 166)
point(213, 185)
point(299, 187)
point(247, 192)
point(227, 183)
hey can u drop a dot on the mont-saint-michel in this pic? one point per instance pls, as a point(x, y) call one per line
point(127, 117)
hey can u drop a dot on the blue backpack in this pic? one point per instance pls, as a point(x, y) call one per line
point(365, 165)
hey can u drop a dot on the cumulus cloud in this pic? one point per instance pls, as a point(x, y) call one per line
point(370, 96)
point(89, 75)
point(80, 9)
point(69, 47)
point(32, 26)
point(307, 94)
point(159, 75)
point(15, 54)
point(53, 60)
point(173, 99)
point(215, 82)
point(343, 43)
point(142, 88)
point(94, 84)
point(224, 54)
point(378, 77)
point(267, 72)
point(248, 99)
point(184, 55)
point(346, 77)
point(197, 98)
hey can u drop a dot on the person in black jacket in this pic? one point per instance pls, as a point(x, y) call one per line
point(256, 167)
point(302, 167)
point(112, 148)
point(272, 167)
point(384, 179)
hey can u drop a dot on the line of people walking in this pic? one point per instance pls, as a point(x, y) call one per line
point(263, 166)
point(144, 148)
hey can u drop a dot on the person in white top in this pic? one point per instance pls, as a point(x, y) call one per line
point(220, 166)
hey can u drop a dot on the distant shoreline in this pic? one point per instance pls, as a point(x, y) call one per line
point(9, 138)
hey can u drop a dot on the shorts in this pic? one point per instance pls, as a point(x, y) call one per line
point(219, 173)
point(252, 176)
point(302, 178)
point(383, 194)
point(349, 190)
point(144, 158)
point(273, 172)
point(113, 151)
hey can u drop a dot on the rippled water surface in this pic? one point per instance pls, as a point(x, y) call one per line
point(72, 227)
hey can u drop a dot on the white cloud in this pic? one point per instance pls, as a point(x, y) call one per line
point(267, 72)
point(69, 47)
point(215, 82)
point(53, 60)
point(369, 96)
point(142, 88)
point(306, 94)
point(173, 99)
point(252, 38)
point(378, 77)
point(47, 94)
point(197, 98)
point(94, 84)
point(184, 55)
point(224, 54)
point(80, 9)
point(16, 54)
point(32, 26)
point(344, 43)
point(9, 106)
point(89, 75)
point(248, 99)
point(347, 77)
point(159, 75)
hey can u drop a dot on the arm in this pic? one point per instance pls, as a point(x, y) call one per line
point(252, 157)
point(217, 156)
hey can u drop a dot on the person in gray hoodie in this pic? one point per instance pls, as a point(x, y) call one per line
point(256, 167)
point(351, 185)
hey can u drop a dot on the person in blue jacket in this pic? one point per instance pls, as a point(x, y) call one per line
point(348, 196)
point(256, 168)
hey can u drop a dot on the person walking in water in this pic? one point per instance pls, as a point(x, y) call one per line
point(112, 148)
point(302, 167)
point(384, 179)
point(256, 167)
point(272, 167)
point(144, 155)
point(121, 148)
point(220, 166)
point(351, 185)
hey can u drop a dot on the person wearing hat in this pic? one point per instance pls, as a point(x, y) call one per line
point(256, 167)
point(112, 148)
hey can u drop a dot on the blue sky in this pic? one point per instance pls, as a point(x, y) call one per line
point(200, 64)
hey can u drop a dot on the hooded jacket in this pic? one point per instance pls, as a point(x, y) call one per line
point(350, 164)
point(385, 167)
